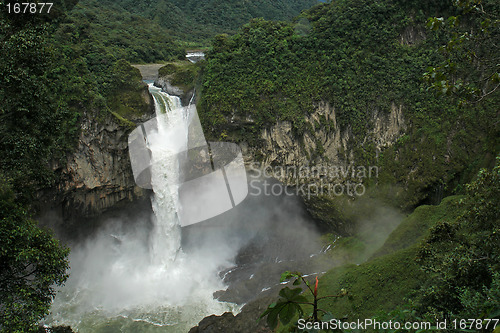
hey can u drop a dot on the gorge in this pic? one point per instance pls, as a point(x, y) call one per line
point(369, 132)
point(132, 274)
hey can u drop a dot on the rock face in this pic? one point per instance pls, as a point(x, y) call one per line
point(179, 79)
point(164, 82)
point(244, 322)
point(280, 146)
point(97, 175)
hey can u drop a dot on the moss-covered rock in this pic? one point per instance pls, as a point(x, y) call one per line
point(128, 97)
point(180, 79)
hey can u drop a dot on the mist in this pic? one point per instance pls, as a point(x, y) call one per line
point(114, 279)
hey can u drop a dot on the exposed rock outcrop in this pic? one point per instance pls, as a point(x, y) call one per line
point(178, 79)
point(97, 175)
point(412, 35)
point(165, 83)
point(244, 322)
point(281, 147)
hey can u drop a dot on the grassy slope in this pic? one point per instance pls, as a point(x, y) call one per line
point(416, 226)
point(382, 283)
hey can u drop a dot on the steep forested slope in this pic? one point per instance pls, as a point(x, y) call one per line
point(146, 31)
point(199, 20)
point(36, 126)
point(107, 31)
point(363, 57)
point(149, 31)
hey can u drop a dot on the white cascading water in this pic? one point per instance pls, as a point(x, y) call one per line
point(137, 280)
point(170, 139)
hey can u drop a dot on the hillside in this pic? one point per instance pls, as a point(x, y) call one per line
point(408, 87)
point(107, 32)
point(146, 32)
point(199, 21)
point(354, 72)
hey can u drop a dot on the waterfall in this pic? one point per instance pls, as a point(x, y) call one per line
point(163, 101)
point(165, 144)
point(133, 278)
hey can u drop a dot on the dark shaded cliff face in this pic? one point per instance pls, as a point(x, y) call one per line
point(97, 177)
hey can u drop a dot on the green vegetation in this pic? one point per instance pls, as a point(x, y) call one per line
point(147, 32)
point(359, 56)
point(196, 22)
point(462, 256)
point(383, 282)
point(345, 249)
point(38, 121)
point(378, 285)
point(441, 262)
point(126, 93)
point(291, 301)
point(33, 264)
point(103, 30)
point(48, 82)
point(181, 74)
point(471, 67)
point(416, 226)
point(47, 85)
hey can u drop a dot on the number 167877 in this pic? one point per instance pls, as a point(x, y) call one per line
point(29, 7)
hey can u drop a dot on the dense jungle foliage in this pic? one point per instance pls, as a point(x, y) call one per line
point(157, 31)
point(38, 122)
point(361, 57)
point(198, 21)
point(55, 69)
point(358, 56)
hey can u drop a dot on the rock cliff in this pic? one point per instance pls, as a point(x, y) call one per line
point(327, 144)
point(97, 175)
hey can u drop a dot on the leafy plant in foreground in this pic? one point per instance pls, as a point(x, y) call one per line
point(291, 301)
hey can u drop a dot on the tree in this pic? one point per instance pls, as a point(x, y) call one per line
point(36, 124)
point(471, 66)
point(32, 264)
point(463, 256)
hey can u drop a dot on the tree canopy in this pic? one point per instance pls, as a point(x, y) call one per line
point(33, 264)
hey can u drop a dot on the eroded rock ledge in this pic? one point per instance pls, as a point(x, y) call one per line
point(280, 147)
point(97, 175)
